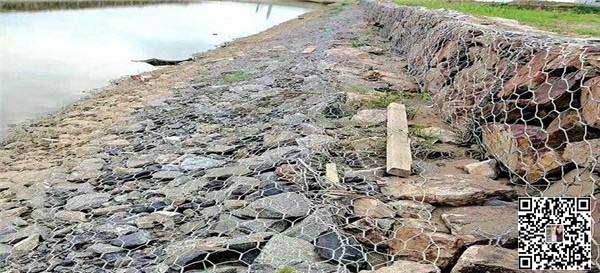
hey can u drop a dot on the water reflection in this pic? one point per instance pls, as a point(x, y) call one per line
point(49, 57)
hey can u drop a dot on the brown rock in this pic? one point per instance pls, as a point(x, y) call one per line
point(371, 207)
point(412, 209)
point(309, 49)
point(70, 216)
point(373, 50)
point(487, 168)
point(530, 75)
point(369, 117)
point(583, 153)
point(522, 149)
point(484, 223)
point(407, 266)
point(419, 245)
point(576, 183)
point(568, 127)
point(452, 190)
point(590, 102)
point(443, 135)
point(487, 258)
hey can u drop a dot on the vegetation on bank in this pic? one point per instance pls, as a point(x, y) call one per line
point(578, 20)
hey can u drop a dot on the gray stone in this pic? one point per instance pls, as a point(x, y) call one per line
point(200, 163)
point(220, 149)
point(102, 249)
point(158, 218)
point(110, 209)
point(5, 251)
point(334, 246)
point(26, 245)
point(183, 252)
point(282, 251)
point(166, 175)
point(183, 187)
point(132, 240)
point(192, 226)
point(87, 169)
point(166, 158)
point(70, 216)
point(271, 158)
point(87, 201)
point(115, 229)
point(283, 205)
point(225, 172)
point(294, 120)
point(229, 224)
point(140, 161)
point(312, 226)
point(316, 142)
point(278, 138)
point(13, 236)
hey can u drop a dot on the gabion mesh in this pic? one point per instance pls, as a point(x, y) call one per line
point(257, 164)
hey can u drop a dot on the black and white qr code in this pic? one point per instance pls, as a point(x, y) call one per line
point(555, 233)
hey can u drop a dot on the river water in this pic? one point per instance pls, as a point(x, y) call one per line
point(49, 58)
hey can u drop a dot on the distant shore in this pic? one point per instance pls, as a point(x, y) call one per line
point(34, 5)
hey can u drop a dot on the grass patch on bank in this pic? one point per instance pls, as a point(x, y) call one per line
point(341, 6)
point(286, 270)
point(578, 20)
point(384, 100)
point(237, 76)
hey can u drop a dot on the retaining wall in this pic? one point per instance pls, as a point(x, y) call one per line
point(531, 100)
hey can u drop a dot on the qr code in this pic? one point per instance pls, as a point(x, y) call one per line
point(555, 233)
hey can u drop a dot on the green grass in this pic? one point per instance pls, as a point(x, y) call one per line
point(583, 21)
point(286, 270)
point(426, 97)
point(359, 43)
point(237, 76)
point(384, 100)
point(341, 7)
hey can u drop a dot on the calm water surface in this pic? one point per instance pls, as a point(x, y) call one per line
point(48, 58)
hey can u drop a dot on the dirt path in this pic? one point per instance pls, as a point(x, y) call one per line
point(221, 165)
